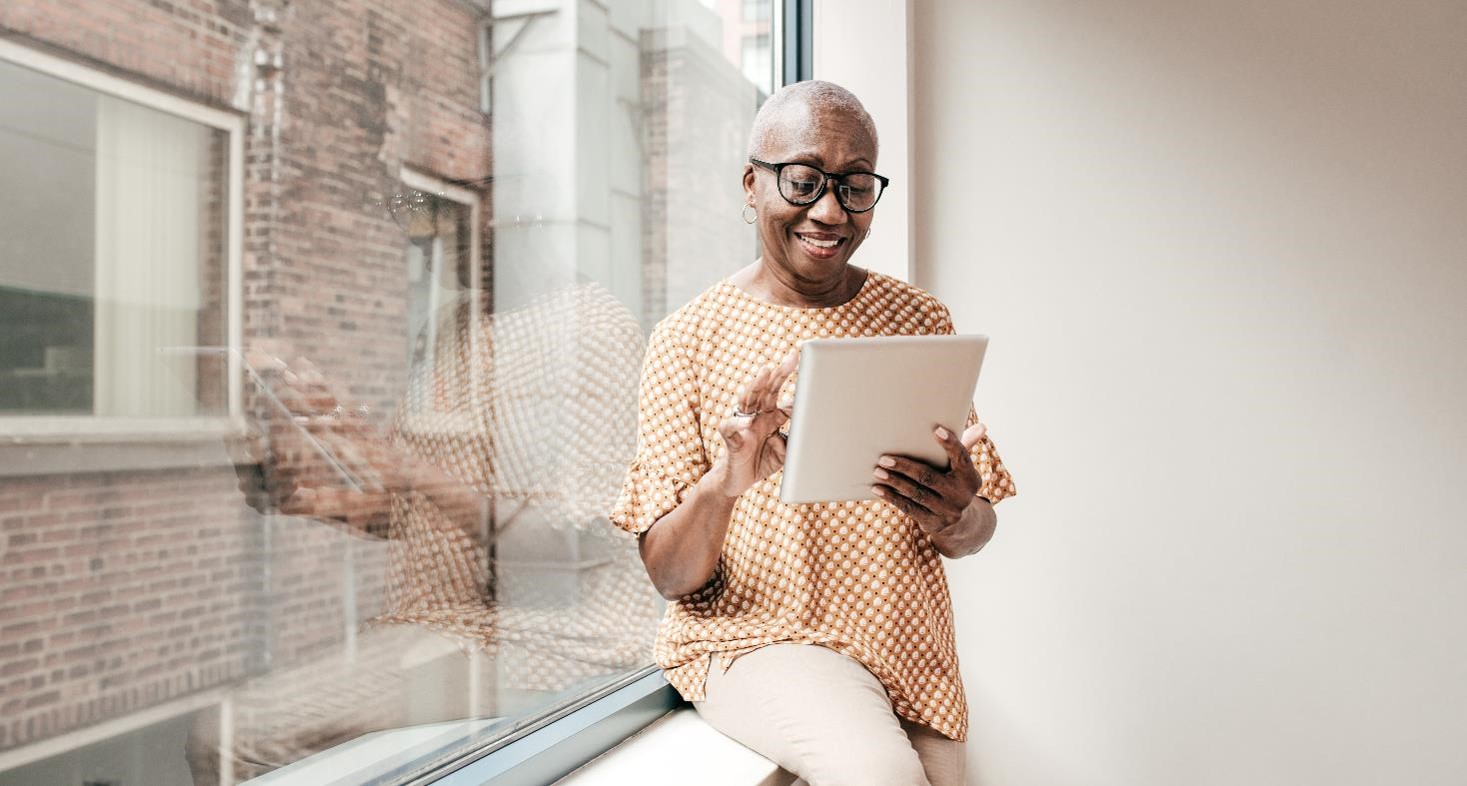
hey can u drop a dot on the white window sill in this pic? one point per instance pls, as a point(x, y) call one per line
point(95, 445)
point(90, 429)
point(677, 749)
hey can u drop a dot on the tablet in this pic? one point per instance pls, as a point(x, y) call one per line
point(857, 399)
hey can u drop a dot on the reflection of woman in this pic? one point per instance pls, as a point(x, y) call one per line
point(501, 412)
point(755, 581)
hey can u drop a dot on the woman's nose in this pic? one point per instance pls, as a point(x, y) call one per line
point(827, 209)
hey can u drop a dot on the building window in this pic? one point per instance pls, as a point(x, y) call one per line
point(486, 68)
point(758, 64)
point(441, 255)
point(114, 220)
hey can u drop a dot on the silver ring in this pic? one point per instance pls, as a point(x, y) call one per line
point(739, 413)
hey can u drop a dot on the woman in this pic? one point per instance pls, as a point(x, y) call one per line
point(755, 582)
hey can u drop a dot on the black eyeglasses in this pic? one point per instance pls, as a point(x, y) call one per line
point(802, 184)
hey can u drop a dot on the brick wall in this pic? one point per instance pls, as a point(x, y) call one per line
point(699, 110)
point(118, 591)
point(365, 88)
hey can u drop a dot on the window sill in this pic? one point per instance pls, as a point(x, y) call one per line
point(562, 743)
point(679, 748)
point(371, 758)
point(89, 429)
point(49, 446)
point(546, 751)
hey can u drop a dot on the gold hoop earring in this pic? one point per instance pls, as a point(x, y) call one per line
point(749, 219)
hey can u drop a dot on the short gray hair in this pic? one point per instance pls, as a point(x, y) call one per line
point(811, 93)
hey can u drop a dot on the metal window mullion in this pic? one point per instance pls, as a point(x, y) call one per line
point(799, 38)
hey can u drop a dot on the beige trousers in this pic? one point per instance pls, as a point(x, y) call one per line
point(824, 717)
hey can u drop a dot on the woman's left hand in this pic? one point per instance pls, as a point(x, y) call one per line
point(935, 498)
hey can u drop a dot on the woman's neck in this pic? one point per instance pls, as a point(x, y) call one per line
point(763, 281)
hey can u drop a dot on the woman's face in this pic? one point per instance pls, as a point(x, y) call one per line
point(813, 242)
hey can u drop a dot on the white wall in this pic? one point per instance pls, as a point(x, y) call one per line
point(1221, 249)
point(862, 45)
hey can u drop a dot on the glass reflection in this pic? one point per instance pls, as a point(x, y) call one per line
point(503, 584)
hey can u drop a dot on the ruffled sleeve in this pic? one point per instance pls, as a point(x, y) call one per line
point(670, 456)
point(997, 483)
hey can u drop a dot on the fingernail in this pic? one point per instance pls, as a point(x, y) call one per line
point(942, 433)
point(887, 461)
point(878, 491)
point(881, 473)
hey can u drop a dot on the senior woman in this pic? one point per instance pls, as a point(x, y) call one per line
point(819, 635)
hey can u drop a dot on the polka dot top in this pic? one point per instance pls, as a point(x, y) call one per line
point(858, 577)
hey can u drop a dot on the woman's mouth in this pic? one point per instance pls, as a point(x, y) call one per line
point(820, 245)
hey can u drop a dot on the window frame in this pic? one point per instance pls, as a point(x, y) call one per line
point(796, 31)
point(100, 428)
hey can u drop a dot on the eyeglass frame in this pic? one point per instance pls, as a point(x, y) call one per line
point(826, 177)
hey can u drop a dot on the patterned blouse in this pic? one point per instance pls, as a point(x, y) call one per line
point(858, 577)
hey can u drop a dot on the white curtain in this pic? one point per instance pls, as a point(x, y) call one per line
point(151, 189)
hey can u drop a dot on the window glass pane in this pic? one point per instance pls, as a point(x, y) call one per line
point(320, 336)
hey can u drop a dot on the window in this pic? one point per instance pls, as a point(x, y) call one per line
point(757, 63)
point(757, 10)
point(115, 222)
point(442, 257)
point(322, 331)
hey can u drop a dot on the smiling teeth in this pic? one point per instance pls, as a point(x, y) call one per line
point(819, 243)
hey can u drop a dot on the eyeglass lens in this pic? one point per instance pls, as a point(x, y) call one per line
point(802, 185)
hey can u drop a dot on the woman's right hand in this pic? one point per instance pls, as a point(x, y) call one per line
point(752, 432)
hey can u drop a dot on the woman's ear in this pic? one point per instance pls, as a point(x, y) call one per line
point(748, 184)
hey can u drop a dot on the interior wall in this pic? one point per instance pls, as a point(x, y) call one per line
point(1221, 250)
point(863, 45)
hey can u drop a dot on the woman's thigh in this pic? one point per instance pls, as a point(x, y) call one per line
point(820, 715)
